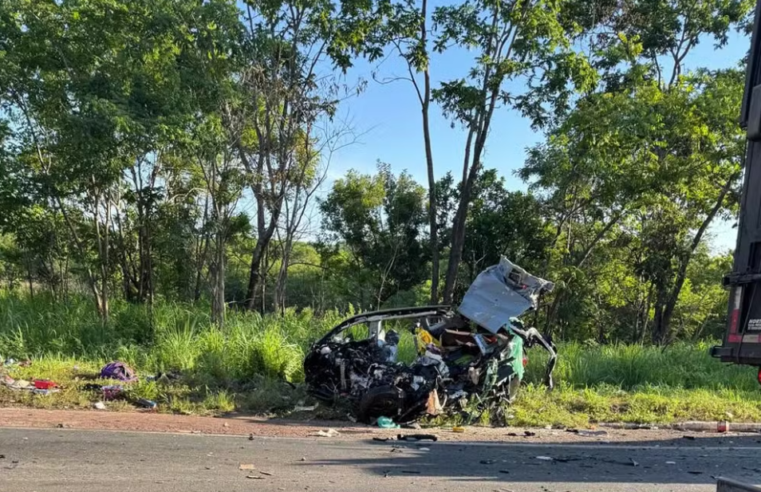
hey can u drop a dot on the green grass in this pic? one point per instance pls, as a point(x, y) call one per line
point(254, 365)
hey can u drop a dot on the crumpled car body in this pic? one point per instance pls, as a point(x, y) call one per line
point(472, 355)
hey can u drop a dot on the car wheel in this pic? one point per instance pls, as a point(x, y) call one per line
point(381, 401)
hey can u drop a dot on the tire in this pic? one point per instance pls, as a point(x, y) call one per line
point(381, 401)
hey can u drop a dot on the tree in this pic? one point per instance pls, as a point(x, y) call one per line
point(378, 219)
point(504, 223)
point(96, 89)
point(407, 32)
point(520, 39)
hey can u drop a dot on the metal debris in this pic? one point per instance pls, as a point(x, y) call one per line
point(417, 437)
point(476, 350)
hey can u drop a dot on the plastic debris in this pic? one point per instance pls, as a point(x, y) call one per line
point(671, 462)
point(722, 426)
point(118, 370)
point(326, 433)
point(99, 405)
point(458, 429)
point(44, 384)
point(544, 458)
point(246, 466)
point(386, 423)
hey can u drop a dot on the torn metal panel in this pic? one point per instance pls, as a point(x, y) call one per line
point(501, 292)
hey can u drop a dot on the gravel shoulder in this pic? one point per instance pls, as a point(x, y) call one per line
point(238, 425)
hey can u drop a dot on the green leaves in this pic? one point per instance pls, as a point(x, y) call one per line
point(378, 218)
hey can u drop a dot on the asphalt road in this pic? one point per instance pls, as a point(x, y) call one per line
point(74, 460)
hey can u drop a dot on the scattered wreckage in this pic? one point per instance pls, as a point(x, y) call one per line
point(474, 354)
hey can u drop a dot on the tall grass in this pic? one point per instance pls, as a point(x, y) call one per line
point(182, 338)
point(636, 367)
point(165, 337)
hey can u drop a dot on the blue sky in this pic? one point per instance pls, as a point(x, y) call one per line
point(387, 120)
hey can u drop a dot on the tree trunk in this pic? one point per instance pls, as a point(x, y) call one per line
point(432, 205)
point(262, 242)
point(458, 227)
point(201, 251)
point(282, 277)
point(663, 322)
point(218, 281)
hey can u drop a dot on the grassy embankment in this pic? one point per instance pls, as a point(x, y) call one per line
point(245, 365)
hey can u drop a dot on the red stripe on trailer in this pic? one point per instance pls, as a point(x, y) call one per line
point(734, 321)
point(734, 338)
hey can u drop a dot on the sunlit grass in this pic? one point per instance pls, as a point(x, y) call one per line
point(254, 364)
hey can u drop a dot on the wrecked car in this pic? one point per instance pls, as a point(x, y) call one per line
point(471, 355)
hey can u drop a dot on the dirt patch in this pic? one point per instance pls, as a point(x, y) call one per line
point(262, 427)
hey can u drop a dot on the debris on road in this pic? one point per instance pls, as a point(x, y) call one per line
point(588, 433)
point(326, 433)
point(544, 458)
point(487, 462)
point(634, 463)
point(476, 349)
point(529, 433)
point(99, 405)
point(417, 437)
point(382, 439)
point(255, 477)
point(458, 429)
point(246, 466)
